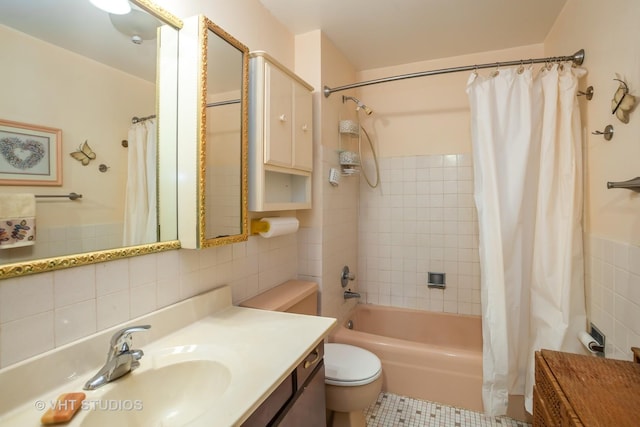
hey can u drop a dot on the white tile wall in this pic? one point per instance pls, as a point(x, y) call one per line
point(44, 311)
point(421, 218)
point(59, 241)
point(613, 282)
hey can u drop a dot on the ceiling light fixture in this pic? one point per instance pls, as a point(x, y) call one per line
point(117, 7)
point(137, 25)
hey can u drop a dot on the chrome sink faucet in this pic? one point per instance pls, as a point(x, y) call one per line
point(121, 359)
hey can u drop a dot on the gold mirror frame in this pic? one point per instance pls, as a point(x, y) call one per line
point(207, 25)
point(77, 260)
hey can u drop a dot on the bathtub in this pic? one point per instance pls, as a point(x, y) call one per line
point(425, 355)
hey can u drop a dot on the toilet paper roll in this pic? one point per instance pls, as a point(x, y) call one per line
point(279, 226)
point(589, 342)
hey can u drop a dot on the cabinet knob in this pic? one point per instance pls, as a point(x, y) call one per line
point(304, 128)
point(283, 118)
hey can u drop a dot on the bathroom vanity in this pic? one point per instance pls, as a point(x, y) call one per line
point(206, 362)
point(577, 390)
point(298, 400)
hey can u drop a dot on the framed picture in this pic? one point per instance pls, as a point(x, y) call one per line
point(30, 154)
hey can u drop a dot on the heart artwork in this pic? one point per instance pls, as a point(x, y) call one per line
point(21, 154)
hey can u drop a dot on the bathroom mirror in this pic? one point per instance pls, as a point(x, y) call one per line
point(71, 66)
point(213, 94)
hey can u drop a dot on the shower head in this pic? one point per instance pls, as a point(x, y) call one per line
point(359, 104)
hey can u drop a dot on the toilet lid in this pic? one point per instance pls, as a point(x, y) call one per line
point(348, 365)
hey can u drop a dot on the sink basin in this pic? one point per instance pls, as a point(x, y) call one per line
point(178, 387)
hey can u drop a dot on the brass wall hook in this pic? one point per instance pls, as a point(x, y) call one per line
point(608, 132)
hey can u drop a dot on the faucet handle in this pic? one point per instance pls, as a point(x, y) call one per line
point(346, 276)
point(121, 340)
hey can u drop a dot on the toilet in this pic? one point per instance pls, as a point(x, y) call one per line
point(353, 375)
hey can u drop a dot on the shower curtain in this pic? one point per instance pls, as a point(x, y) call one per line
point(140, 217)
point(526, 138)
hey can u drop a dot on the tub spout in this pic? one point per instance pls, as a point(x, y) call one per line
point(349, 294)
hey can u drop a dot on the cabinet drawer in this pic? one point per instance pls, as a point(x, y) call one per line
point(306, 367)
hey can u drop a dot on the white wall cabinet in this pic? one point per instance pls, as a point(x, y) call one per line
point(280, 137)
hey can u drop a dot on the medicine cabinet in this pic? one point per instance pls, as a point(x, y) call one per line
point(280, 137)
point(212, 153)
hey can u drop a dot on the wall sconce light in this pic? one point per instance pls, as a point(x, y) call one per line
point(117, 7)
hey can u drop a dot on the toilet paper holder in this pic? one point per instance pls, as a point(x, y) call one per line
point(598, 336)
point(594, 340)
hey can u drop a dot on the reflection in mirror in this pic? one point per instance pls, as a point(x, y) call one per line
point(79, 69)
point(223, 126)
point(213, 115)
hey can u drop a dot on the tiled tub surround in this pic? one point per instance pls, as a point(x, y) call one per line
point(205, 327)
point(613, 285)
point(43, 311)
point(421, 218)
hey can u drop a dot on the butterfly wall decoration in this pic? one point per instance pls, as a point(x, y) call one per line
point(84, 154)
point(622, 102)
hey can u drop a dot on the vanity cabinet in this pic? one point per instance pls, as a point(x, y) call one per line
point(577, 390)
point(280, 137)
point(298, 400)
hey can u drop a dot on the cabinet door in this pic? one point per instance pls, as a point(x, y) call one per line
point(278, 117)
point(309, 408)
point(302, 129)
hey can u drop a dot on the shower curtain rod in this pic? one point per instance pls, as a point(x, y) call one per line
point(577, 58)
point(135, 119)
point(221, 103)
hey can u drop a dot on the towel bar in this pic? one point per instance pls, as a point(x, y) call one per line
point(70, 196)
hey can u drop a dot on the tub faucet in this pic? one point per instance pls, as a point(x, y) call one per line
point(121, 359)
point(350, 294)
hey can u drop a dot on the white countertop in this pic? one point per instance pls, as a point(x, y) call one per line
point(260, 349)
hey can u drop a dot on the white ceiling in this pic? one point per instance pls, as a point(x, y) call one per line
point(380, 33)
point(78, 26)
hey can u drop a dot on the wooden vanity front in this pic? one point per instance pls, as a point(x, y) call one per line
point(577, 390)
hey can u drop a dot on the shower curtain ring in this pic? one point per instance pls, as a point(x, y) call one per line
point(496, 71)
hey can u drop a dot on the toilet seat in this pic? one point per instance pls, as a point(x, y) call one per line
point(348, 365)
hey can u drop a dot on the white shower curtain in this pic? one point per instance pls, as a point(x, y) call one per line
point(140, 217)
point(526, 138)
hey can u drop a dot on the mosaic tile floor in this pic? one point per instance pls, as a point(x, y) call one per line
point(391, 410)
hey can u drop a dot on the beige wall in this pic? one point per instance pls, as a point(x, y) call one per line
point(247, 20)
point(425, 115)
point(44, 311)
point(41, 312)
point(609, 33)
point(88, 101)
point(328, 239)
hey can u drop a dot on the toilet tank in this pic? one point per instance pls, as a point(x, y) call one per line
point(293, 296)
